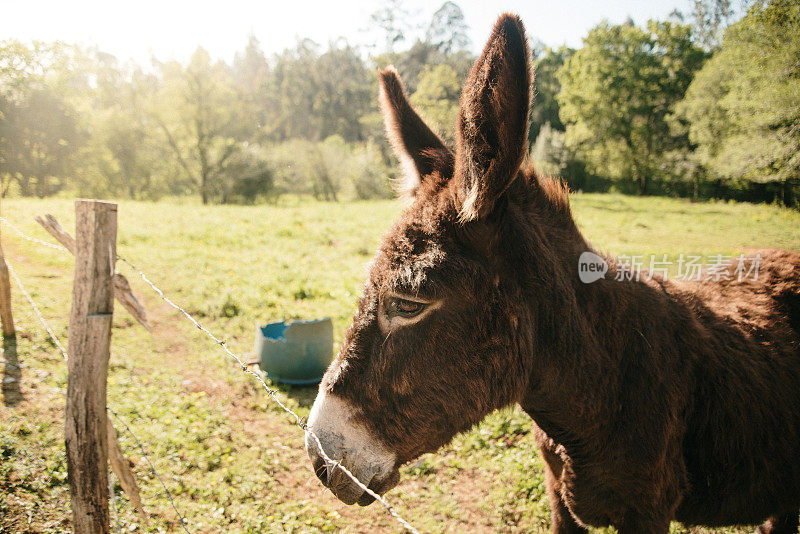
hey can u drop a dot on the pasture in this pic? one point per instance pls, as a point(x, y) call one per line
point(230, 457)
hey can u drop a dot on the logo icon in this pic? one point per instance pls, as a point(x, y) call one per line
point(591, 267)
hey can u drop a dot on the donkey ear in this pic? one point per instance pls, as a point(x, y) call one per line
point(492, 128)
point(419, 149)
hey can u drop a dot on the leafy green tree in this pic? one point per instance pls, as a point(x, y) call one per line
point(38, 136)
point(445, 41)
point(75, 119)
point(126, 154)
point(39, 126)
point(436, 98)
point(617, 93)
point(368, 172)
point(292, 92)
point(344, 92)
point(545, 109)
point(251, 75)
point(743, 107)
point(197, 111)
point(314, 96)
point(550, 155)
point(710, 18)
point(249, 176)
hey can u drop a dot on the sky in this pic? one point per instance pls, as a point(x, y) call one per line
point(172, 29)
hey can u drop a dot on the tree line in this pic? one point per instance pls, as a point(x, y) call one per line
point(681, 107)
point(688, 106)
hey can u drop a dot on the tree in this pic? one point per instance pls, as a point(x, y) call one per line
point(314, 96)
point(550, 155)
point(343, 92)
point(251, 73)
point(545, 109)
point(39, 126)
point(198, 113)
point(743, 107)
point(125, 154)
point(709, 19)
point(448, 31)
point(368, 172)
point(617, 93)
point(38, 136)
point(436, 98)
point(76, 120)
point(392, 19)
point(248, 176)
point(445, 41)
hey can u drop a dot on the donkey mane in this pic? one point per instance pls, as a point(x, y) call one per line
point(555, 190)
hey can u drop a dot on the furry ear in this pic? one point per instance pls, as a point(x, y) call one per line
point(492, 128)
point(419, 149)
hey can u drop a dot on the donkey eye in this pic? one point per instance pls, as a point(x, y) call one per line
point(404, 308)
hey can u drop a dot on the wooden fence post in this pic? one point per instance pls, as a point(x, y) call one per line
point(122, 289)
point(5, 298)
point(85, 427)
point(12, 372)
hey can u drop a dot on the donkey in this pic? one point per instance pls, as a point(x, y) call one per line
point(652, 400)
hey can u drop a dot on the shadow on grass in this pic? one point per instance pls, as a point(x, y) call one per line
point(12, 373)
point(302, 395)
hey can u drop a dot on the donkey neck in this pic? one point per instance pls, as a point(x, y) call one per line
point(575, 343)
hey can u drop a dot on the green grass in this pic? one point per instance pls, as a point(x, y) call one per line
point(231, 458)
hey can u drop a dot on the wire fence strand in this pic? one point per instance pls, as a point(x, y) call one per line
point(273, 394)
point(58, 344)
point(38, 313)
point(32, 239)
point(152, 468)
point(299, 421)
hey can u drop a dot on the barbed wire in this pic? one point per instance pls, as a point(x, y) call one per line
point(32, 239)
point(270, 391)
point(58, 344)
point(152, 468)
point(273, 394)
point(38, 313)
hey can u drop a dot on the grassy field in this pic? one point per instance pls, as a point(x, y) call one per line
point(232, 460)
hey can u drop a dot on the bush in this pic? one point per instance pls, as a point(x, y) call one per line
point(551, 156)
point(249, 176)
point(368, 173)
point(330, 170)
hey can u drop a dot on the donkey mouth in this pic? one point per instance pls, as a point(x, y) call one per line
point(347, 490)
point(335, 429)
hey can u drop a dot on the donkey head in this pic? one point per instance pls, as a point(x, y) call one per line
point(433, 346)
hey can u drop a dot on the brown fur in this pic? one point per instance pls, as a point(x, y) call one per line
point(652, 400)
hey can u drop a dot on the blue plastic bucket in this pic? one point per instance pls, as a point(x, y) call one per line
point(298, 352)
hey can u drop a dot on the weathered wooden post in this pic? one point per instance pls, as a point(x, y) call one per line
point(122, 289)
point(11, 372)
point(5, 296)
point(85, 427)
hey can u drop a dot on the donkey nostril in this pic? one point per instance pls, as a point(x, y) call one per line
point(321, 470)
